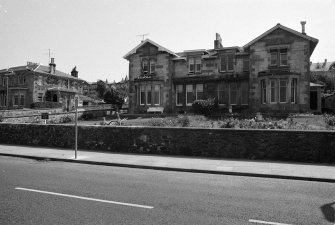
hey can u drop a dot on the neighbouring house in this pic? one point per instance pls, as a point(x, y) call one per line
point(23, 85)
point(269, 74)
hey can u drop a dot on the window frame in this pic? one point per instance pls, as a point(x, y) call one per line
point(225, 62)
point(157, 90)
point(145, 64)
point(148, 89)
point(263, 91)
point(16, 97)
point(273, 92)
point(244, 89)
point(294, 92)
point(192, 94)
point(179, 92)
point(152, 66)
point(281, 91)
point(142, 98)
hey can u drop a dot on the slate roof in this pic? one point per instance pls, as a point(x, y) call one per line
point(160, 48)
point(40, 69)
point(321, 66)
point(313, 41)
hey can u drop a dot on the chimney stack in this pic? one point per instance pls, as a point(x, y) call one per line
point(74, 72)
point(52, 66)
point(218, 41)
point(303, 23)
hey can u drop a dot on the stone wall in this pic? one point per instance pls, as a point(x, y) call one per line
point(300, 146)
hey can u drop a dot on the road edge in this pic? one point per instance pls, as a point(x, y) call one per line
point(230, 173)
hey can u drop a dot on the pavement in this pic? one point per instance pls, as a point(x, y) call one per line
point(267, 169)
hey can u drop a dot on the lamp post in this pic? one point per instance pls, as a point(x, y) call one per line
point(76, 126)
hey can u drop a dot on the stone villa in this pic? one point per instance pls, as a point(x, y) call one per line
point(21, 86)
point(271, 73)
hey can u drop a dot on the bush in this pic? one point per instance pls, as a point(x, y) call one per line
point(42, 105)
point(204, 107)
point(330, 119)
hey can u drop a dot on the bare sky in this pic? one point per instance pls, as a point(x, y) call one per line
point(94, 35)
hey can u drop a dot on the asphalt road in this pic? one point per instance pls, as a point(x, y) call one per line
point(43, 192)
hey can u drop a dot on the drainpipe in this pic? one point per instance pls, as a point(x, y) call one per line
point(7, 93)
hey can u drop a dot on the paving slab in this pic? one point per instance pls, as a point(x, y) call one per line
point(284, 170)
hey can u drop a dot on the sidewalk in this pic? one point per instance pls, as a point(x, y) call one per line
point(311, 172)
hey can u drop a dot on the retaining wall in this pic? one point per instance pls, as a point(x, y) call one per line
point(301, 146)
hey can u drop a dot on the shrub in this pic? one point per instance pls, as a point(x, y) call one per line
point(41, 105)
point(329, 119)
point(204, 107)
point(184, 121)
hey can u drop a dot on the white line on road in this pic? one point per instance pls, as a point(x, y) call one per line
point(265, 222)
point(85, 198)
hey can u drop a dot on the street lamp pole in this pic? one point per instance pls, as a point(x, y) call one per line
point(76, 127)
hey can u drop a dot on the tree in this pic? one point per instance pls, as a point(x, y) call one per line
point(113, 97)
point(101, 88)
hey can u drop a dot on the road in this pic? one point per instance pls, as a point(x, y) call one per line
point(44, 192)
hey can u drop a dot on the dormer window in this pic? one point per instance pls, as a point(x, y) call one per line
point(194, 65)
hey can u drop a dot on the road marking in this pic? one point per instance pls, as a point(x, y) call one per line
point(85, 198)
point(265, 222)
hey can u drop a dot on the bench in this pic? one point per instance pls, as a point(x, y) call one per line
point(155, 109)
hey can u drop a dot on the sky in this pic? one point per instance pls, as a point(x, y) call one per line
point(94, 35)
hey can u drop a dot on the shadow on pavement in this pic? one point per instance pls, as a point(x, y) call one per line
point(328, 211)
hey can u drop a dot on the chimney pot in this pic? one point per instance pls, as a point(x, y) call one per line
point(303, 23)
point(52, 66)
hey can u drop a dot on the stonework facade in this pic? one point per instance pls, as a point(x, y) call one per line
point(24, 85)
point(269, 74)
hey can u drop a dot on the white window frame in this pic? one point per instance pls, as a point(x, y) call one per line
point(280, 57)
point(197, 65)
point(142, 90)
point(189, 87)
point(280, 86)
point(145, 62)
point(274, 94)
point(152, 66)
point(147, 90)
point(191, 62)
point(199, 88)
point(263, 91)
point(275, 54)
point(179, 90)
point(157, 89)
point(294, 91)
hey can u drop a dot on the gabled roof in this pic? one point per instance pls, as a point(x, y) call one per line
point(313, 41)
point(160, 48)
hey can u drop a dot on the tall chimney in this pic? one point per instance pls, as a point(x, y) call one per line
point(303, 23)
point(217, 41)
point(74, 72)
point(52, 66)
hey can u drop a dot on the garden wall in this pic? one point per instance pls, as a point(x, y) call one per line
point(301, 146)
